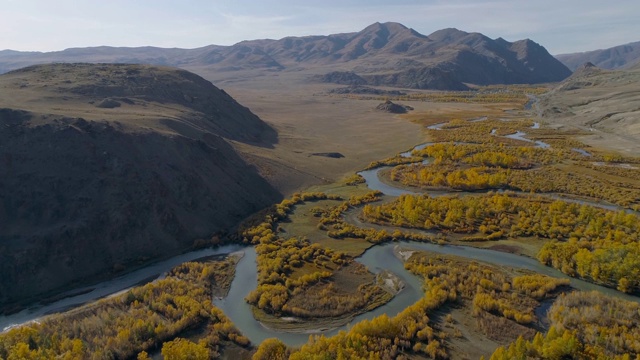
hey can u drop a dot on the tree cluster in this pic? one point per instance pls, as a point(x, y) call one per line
point(411, 332)
point(583, 326)
point(296, 277)
point(142, 319)
point(596, 244)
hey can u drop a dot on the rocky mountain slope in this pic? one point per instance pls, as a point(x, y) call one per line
point(381, 54)
point(604, 102)
point(617, 57)
point(103, 167)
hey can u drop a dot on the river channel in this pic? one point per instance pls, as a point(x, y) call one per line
point(377, 258)
point(79, 296)
point(374, 182)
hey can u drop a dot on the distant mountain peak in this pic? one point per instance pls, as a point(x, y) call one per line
point(390, 26)
point(447, 35)
point(389, 30)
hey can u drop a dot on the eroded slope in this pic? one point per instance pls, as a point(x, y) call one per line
point(605, 102)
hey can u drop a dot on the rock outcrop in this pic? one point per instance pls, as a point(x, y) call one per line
point(391, 107)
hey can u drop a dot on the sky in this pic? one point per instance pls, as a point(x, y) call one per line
point(562, 26)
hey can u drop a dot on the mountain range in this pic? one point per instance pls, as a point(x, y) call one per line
point(617, 57)
point(381, 54)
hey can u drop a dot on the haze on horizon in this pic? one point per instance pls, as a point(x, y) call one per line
point(561, 26)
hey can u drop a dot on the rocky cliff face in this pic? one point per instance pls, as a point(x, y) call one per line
point(87, 191)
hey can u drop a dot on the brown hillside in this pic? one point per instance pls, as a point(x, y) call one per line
point(617, 57)
point(604, 102)
point(87, 189)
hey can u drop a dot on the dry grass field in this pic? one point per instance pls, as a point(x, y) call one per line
point(308, 123)
point(309, 120)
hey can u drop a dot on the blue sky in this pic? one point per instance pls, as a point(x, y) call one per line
point(561, 26)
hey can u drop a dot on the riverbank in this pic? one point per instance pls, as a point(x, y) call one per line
point(86, 295)
point(471, 331)
point(387, 280)
point(384, 177)
point(143, 318)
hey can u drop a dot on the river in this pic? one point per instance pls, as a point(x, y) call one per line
point(79, 296)
point(241, 314)
point(245, 280)
point(373, 181)
point(377, 258)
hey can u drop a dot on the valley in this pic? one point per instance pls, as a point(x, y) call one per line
point(334, 224)
point(335, 206)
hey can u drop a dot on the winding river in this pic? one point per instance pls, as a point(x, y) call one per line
point(374, 182)
point(520, 135)
point(377, 258)
point(240, 312)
